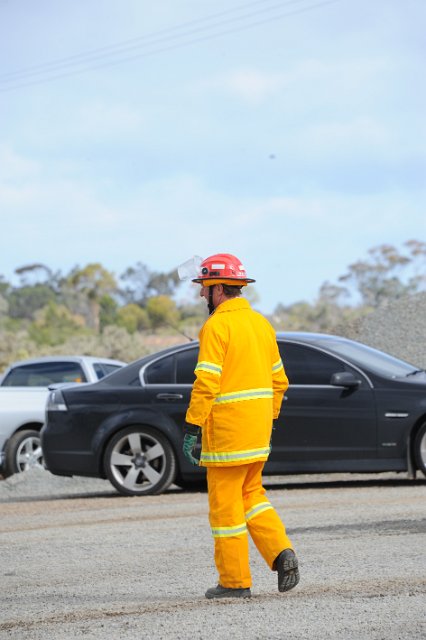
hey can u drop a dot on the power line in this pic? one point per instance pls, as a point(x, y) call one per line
point(168, 39)
point(141, 41)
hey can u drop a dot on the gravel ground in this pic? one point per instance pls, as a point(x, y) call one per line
point(80, 561)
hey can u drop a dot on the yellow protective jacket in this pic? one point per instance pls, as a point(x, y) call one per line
point(239, 386)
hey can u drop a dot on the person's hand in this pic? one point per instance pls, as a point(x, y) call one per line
point(189, 443)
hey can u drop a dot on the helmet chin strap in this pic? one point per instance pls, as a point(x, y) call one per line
point(210, 302)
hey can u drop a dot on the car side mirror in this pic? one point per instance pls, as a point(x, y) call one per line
point(344, 379)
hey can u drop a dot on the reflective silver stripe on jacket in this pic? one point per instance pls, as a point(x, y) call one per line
point(245, 394)
point(277, 366)
point(210, 367)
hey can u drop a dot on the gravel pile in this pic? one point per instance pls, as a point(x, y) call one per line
point(399, 328)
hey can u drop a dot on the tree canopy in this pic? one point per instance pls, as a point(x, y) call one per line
point(91, 310)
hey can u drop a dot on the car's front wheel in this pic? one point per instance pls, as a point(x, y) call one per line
point(23, 452)
point(420, 448)
point(140, 461)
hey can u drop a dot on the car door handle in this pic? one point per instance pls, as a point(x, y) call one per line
point(169, 396)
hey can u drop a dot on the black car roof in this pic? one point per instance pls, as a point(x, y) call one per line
point(131, 371)
point(306, 336)
point(281, 335)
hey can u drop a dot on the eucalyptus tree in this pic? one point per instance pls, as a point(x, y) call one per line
point(84, 291)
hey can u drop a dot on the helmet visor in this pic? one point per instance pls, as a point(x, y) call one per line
point(190, 269)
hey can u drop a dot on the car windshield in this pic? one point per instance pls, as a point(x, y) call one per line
point(376, 361)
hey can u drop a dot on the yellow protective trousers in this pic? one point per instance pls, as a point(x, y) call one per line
point(238, 506)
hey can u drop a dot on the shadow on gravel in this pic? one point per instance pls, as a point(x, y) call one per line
point(200, 487)
point(303, 484)
point(328, 483)
point(346, 484)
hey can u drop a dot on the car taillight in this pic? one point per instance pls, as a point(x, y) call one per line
point(56, 402)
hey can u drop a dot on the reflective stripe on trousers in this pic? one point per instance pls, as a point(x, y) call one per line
point(238, 505)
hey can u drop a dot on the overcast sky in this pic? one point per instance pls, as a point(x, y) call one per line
point(291, 134)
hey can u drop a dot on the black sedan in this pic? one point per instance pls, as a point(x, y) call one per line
point(349, 408)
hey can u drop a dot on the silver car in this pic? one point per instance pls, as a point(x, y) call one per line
point(23, 394)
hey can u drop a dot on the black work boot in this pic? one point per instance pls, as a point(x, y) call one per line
point(227, 592)
point(288, 570)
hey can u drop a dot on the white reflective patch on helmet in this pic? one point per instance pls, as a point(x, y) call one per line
point(218, 266)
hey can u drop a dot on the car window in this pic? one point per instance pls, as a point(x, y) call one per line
point(177, 368)
point(304, 365)
point(381, 363)
point(102, 369)
point(161, 371)
point(44, 373)
point(109, 368)
point(185, 365)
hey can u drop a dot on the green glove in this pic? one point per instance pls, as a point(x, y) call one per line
point(189, 443)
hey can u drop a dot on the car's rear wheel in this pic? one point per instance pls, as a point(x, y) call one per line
point(140, 461)
point(23, 452)
point(420, 448)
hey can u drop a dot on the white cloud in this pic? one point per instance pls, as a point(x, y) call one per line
point(35, 202)
point(81, 123)
point(108, 121)
point(251, 85)
point(320, 80)
point(347, 137)
point(15, 167)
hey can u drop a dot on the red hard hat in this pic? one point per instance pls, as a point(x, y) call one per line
point(222, 268)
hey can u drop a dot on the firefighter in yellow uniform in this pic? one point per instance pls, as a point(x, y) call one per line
point(239, 387)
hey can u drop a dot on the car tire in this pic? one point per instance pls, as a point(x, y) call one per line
point(23, 452)
point(140, 461)
point(420, 449)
